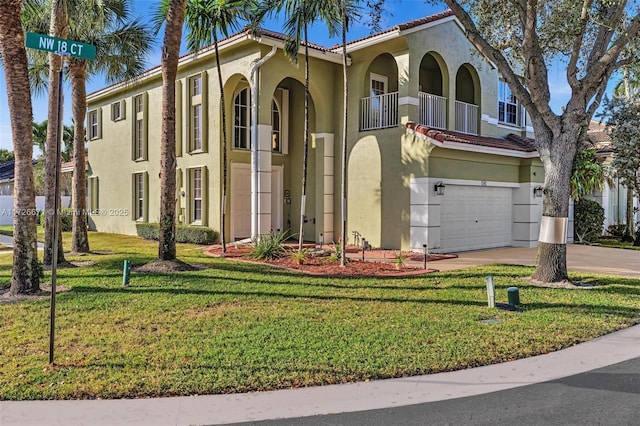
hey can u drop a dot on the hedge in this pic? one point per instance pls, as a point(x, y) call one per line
point(589, 220)
point(66, 217)
point(184, 233)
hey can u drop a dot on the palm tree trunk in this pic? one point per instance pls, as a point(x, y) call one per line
point(79, 233)
point(170, 52)
point(26, 270)
point(345, 106)
point(223, 207)
point(58, 28)
point(306, 138)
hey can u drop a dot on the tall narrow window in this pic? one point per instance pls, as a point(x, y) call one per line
point(196, 211)
point(196, 101)
point(139, 142)
point(139, 196)
point(275, 127)
point(241, 123)
point(94, 124)
point(197, 127)
point(507, 105)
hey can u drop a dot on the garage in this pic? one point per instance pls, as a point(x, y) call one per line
point(475, 217)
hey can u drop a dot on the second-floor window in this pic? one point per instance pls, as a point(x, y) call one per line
point(241, 120)
point(196, 102)
point(139, 142)
point(94, 124)
point(508, 108)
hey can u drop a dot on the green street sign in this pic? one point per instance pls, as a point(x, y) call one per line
point(61, 46)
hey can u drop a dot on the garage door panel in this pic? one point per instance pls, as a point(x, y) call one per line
point(476, 217)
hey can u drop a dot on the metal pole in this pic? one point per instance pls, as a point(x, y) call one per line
point(56, 207)
point(424, 252)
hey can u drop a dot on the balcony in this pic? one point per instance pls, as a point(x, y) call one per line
point(433, 110)
point(466, 118)
point(379, 112)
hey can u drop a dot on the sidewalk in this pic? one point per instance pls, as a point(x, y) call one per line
point(220, 409)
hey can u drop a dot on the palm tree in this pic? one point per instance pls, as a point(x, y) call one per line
point(40, 136)
point(204, 19)
point(26, 271)
point(172, 13)
point(121, 48)
point(299, 14)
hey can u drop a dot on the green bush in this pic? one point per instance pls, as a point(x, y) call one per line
point(270, 246)
point(616, 231)
point(184, 233)
point(589, 220)
point(66, 217)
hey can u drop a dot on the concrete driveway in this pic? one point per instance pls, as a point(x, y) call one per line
point(600, 260)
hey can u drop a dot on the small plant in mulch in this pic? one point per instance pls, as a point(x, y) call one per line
point(399, 259)
point(300, 256)
point(270, 246)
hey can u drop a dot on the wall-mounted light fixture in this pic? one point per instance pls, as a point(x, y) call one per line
point(538, 191)
point(439, 187)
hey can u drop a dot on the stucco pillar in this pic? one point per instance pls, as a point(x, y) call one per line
point(407, 88)
point(263, 180)
point(325, 211)
point(527, 210)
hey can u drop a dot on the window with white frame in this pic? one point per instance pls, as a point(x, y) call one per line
point(117, 111)
point(196, 118)
point(275, 127)
point(508, 108)
point(94, 124)
point(139, 149)
point(196, 195)
point(139, 198)
point(241, 120)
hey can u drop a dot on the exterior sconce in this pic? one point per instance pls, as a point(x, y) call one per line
point(538, 191)
point(439, 188)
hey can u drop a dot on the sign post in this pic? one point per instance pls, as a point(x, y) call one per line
point(76, 49)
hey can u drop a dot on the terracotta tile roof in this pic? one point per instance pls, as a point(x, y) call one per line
point(512, 142)
point(598, 134)
point(284, 37)
point(405, 26)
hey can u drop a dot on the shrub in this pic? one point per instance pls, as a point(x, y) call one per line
point(184, 233)
point(66, 218)
point(616, 231)
point(270, 246)
point(589, 220)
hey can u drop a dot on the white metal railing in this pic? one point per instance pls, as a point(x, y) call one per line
point(433, 110)
point(379, 112)
point(466, 118)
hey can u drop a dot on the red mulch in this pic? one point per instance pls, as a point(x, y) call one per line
point(373, 266)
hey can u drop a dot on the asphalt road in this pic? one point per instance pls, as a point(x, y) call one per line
point(607, 396)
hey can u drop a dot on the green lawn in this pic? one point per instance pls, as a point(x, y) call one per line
point(237, 327)
point(617, 244)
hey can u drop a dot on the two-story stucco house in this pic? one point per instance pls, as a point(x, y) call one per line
point(439, 150)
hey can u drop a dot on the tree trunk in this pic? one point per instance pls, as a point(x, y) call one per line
point(26, 270)
point(345, 106)
point(557, 150)
point(306, 139)
point(170, 53)
point(79, 236)
point(58, 28)
point(223, 208)
point(630, 232)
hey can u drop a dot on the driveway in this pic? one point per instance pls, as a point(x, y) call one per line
point(600, 260)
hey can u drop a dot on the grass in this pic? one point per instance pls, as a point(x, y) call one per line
point(238, 327)
point(606, 242)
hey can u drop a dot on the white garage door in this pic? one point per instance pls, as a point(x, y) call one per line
point(475, 217)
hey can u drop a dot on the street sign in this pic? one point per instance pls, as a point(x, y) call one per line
point(61, 46)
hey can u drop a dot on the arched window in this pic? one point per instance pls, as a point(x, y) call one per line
point(241, 120)
point(275, 131)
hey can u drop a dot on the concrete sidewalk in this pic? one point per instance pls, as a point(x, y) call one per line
point(220, 409)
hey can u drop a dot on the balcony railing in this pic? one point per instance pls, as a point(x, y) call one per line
point(379, 112)
point(466, 118)
point(433, 110)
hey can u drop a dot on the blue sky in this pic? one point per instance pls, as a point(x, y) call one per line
point(396, 12)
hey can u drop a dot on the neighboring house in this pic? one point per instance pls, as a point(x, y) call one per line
point(439, 150)
point(6, 177)
point(613, 197)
